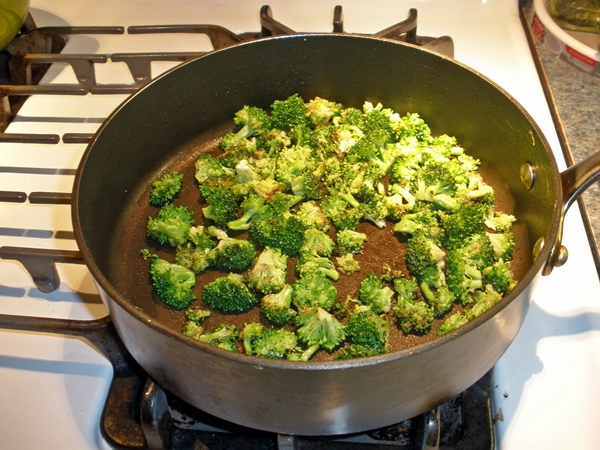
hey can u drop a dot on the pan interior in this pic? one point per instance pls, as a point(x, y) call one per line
point(181, 115)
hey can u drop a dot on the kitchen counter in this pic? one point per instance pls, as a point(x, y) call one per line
point(577, 98)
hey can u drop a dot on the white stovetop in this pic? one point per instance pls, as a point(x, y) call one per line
point(53, 387)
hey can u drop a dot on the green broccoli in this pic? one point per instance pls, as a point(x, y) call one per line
point(373, 293)
point(503, 245)
point(425, 260)
point(318, 327)
point(283, 232)
point(317, 244)
point(350, 241)
point(311, 216)
point(277, 306)
point(253, 208)
point(367, 329)
point(346, 264)
point(314, 290)
point(282, 202)
point(209, 169)
point(222, 204)
point(342, 210)
point(229, 294)
point(434, 184)
point(232, 254)
point(194, 316)
point(252, 121)
point(164, 189)
point(268, 274)
point(468, 220)
point(268, 342)
point(499, 275)
point(289, 113)
point(321, 112)
point(172, 283)
point(224, 336)
point(194, 258)
point(414, 316)
point(201, 238)
point(308, 264)
point(499, 221)
point(171, 225)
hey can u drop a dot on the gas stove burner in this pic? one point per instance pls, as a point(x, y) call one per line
point(25, 60)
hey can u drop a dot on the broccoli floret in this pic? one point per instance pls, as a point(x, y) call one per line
point(282, 202)
point(314, 290)
point(171, 225)
point(372, 292)
point(172, 283)
point(414, 317)
point(475, 189)
point(499, 275)
point(277, 306)
point(307, 186)
point(194, 258)
point(245, 172)
point(229, 294)
point(425, 260)
point(503, 245)
point(224, 336)
point(320, 111)
point(318, 327)
point(309, 264)
point(374, 210)
point(194, 316)
point(289, 113)
point(252, 121)
point(424, 221)
point(268, 342)
point(210, 169)
point(368, 330)
point(311, 216)
point(222, 204)
point(253, 208)
point(317, 244)
point(499, 222)
point(406, 288)
point(441, 299)
point(232, 254)
point(468, 220)
point(433, 183)
point(342, 210)
point(201, 238)
point(269, 271)
point(164, 189)
point(283, 232)
point(350, 241)
point(462, 275)
point(346, 264)
point(453, 322)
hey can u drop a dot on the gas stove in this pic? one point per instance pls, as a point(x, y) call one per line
point(542, 391)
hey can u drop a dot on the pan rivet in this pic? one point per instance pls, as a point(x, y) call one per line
point(563, 255)
point(537, 248)
point(527, 175)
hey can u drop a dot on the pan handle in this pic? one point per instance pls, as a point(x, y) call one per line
point(575, 180)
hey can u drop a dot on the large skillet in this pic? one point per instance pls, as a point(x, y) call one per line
point(169, 121)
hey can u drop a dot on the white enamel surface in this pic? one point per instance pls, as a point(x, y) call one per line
point(53, 387)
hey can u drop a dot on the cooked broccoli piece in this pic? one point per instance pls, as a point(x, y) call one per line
point(342, 210)
point(252, 121)
point(311, 216)
point(406, 288)
point(424, 221)
point(282, 202)
point(283, 232)
point(372, 292)
point(321, 112)
point(289, 113)
point(210, 169)
point(462, 274)
point(346, 264)
point(307, 186)
point(222, 204)
point(316, 244)
point(164, 189)
point(277, 306)
point(171, 225)
point(350, 241)
point(367, 329)
point(503, 244)
point(201, 238)
point(229, 294)
point(475, 189)
point(374, 210)
point(246, 173)
point(268, 342)
point(309, 264)
point(433, 183)
point(453, 322)
point(441, 299)
point(425, 260)
point(500, 276)
point(414, 317)
point(269, 271)
point(194, 258)
point(194, 316)
point(172, 283)
point(318, 327)
point(232, 254)
point(224, 336)
point(314, 290)
point(484, 300)
point(253, 208)
point(499, 222)
point(468, 220)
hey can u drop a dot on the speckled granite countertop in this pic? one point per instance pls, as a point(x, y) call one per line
point(577, 98)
